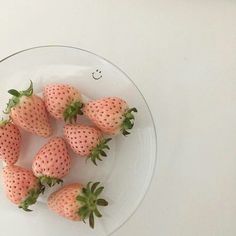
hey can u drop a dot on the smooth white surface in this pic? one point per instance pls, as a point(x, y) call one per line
point(182, 56)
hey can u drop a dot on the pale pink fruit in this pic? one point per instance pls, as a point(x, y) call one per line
point(28, 112)
point(21, 186)
point(111, 115)
point(86, 141)
point(64, 203)
point(76, 202)
point(52, 162)
point(63, 101)
point(10, 140)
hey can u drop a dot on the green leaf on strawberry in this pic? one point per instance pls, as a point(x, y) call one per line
point(31, 199)
point(89, 201)
point(50, 181)
point(128, 121)
point(16, 95)
point(71, 112)
point(3, 122)
point(98, 151)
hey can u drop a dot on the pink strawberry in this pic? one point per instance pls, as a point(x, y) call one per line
point(21, 186)
point(111, 115)
point(86, 141)
point(63, 101)
point(28, 112)
point(10, 140)
point(76, 202)
point(52, 162)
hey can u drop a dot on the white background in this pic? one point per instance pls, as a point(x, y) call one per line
point(182, 56)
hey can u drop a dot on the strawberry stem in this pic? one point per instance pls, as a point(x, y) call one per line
point(50, 181)
point(89, 201)
point(128, 121)
point(16, 95)
point(32, 197)
point(72, 110)
point(98, 151)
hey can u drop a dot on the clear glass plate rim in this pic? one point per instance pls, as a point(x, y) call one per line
point(152, 119)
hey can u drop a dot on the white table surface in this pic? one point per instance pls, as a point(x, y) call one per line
point(182, 56)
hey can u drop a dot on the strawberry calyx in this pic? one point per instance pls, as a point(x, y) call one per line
point(128, 121)
point(50, 181)
point(98, 151)
point(16, 95)
point(72, 110)
point(89, 201)
point(32, 197)
point(4, 122)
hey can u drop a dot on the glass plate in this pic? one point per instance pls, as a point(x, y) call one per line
point(127, 171)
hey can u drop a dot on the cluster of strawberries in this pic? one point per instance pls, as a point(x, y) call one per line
point(29, 112)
